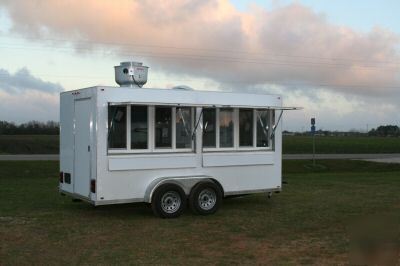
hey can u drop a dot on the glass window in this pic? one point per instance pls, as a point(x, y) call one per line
point(163, 127)
point(245, 127)
point(262, 128)
point(209, 127)
point(226, 127)
point(139, 127)
point(183, 127)
point(116, 127)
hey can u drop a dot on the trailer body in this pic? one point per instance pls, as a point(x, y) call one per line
point(92, 169)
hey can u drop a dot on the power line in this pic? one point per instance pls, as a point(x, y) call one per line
point(212, 58)
point(206, 49)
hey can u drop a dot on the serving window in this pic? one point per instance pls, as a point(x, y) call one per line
point(209, 127)
point(117, 127)
point(139, 127)
point(237, 129)
point(263, 128)
point(142, 129)
point(184, 127)
point(226, 129)
point(150, 129)
point(163, 127)
point(246, 126)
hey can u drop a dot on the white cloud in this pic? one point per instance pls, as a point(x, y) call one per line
point(24, 97)
point(29, 105)
point(287, 44)
point(22, 80)
point(336, 73)
point(335, 111)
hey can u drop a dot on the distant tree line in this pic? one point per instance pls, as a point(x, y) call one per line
point(385, 131)
point(30, 128)
point(53, 128)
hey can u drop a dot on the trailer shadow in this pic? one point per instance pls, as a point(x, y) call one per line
point(130, 210)
point(116, 210)
point(124, 210)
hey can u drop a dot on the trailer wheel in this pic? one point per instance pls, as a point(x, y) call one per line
point(205, 198)
point(168, 201)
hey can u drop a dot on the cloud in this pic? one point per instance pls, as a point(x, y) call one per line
point(290, 45)
point(24, 97)
point(337, 111)
point(22, 81)
point(344, 77)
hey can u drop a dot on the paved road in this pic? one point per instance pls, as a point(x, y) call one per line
point(343, 156)
point(378, 157)
point(392, 157)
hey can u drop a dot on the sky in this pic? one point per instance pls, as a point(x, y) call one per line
point(339, 60)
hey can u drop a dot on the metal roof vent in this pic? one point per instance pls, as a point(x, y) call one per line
point(131, 74)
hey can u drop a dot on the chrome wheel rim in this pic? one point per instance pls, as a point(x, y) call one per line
point(170, 202)
point(207, 199)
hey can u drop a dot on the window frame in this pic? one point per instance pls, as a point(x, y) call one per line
point(151, 148)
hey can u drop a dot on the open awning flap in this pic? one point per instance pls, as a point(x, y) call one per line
point(208, 105)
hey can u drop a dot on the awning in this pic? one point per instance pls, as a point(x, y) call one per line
point(283, 108)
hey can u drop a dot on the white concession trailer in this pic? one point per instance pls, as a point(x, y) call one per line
point(167, 147)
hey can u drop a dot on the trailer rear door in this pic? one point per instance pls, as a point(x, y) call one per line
point(82, 149)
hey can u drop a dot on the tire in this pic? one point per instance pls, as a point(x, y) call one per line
point(168, 201)
point(205, 198)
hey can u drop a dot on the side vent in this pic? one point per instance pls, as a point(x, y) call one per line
point(67, 178)
point(93, 186)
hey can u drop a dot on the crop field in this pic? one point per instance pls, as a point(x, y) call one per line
point(48, 144)
point(308, 223)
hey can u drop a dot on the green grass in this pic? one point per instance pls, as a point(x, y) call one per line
point(305, 224)
point(49, 144)
point(29, 144)
point(303, 144)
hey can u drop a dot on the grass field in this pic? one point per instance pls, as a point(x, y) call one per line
point(29, 144)
point(348, 144)
point(305, 224)
point(42, 144)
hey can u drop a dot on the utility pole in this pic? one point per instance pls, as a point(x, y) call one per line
point(367, 139)
point(313, 136)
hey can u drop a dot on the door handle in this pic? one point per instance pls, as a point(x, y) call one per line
point(88, 148)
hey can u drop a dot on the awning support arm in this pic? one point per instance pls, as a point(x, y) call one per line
point(277, 123)
point(197, 124)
